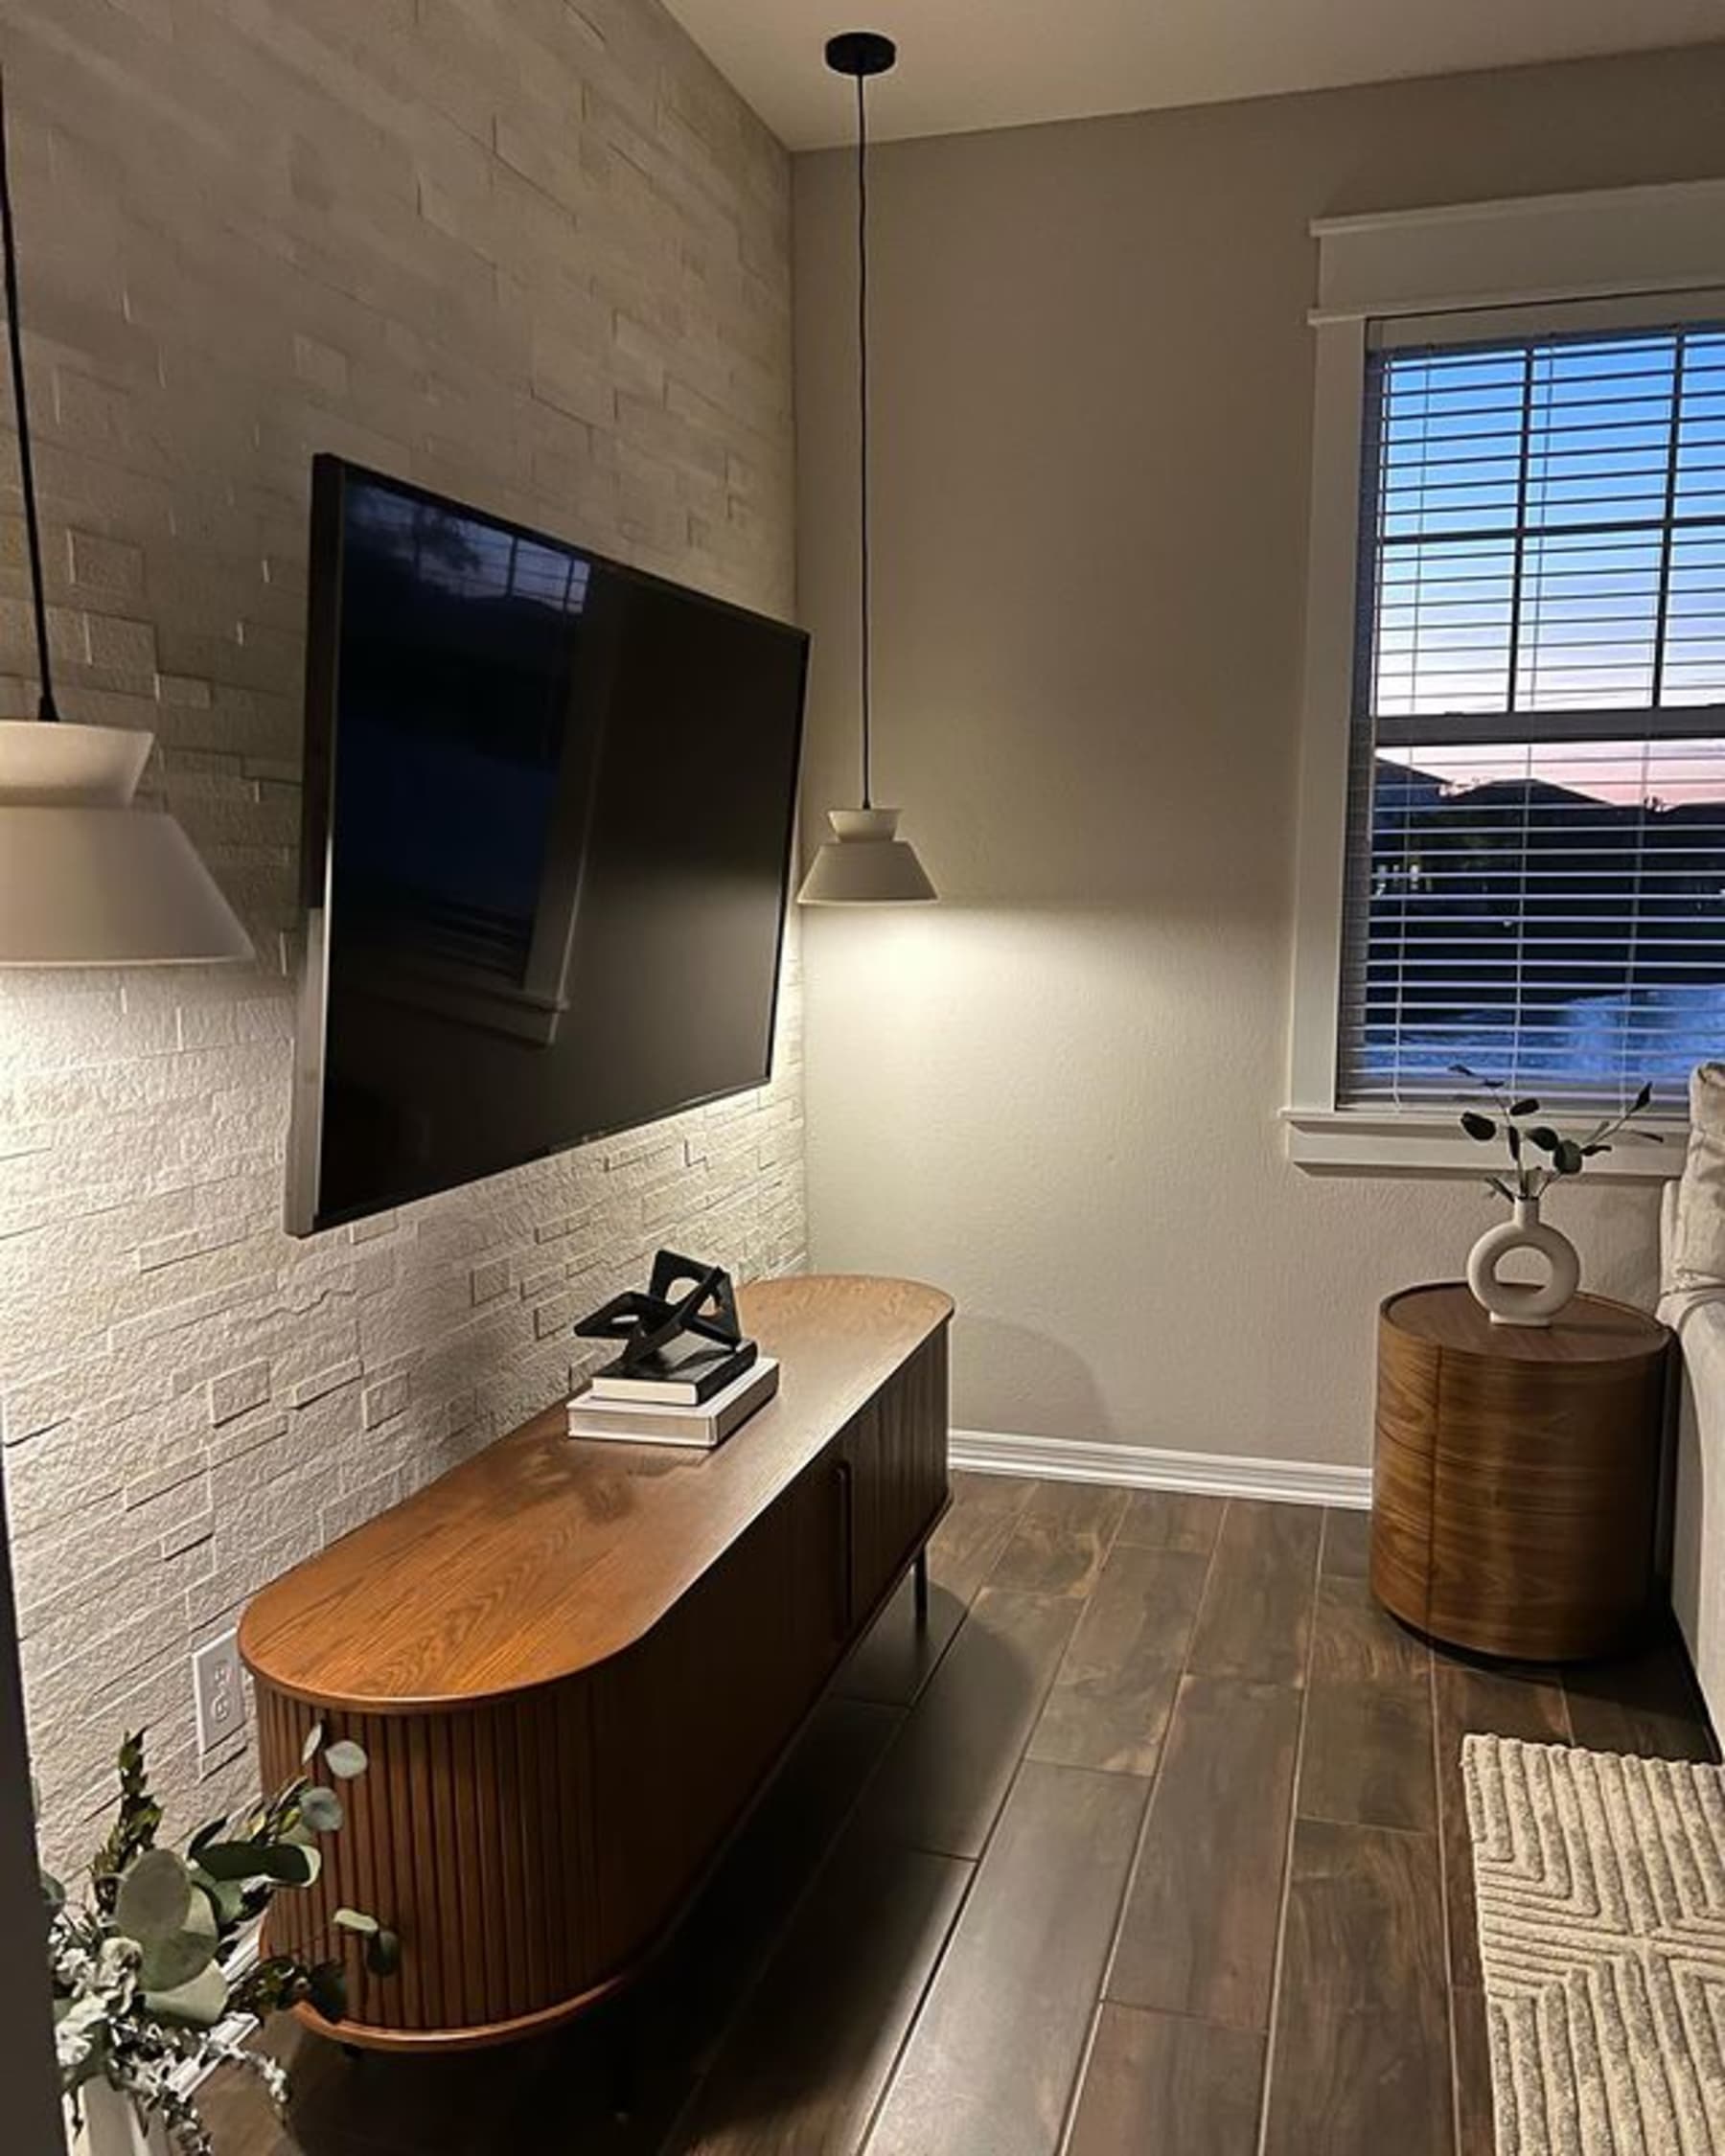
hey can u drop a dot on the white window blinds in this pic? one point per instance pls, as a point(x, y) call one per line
point(1537, 868)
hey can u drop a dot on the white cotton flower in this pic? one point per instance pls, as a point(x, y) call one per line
point(78, 2032)
point(118, 1961)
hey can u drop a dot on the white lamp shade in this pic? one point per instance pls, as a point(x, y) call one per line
point(85, 878)
point(866, 863)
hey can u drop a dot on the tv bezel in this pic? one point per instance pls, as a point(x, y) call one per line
point(305, 1214)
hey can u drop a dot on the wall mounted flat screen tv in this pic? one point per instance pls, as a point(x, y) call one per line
point(548, 819)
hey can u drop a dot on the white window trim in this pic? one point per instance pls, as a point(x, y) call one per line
point(1354, 1141)
point(1545, 251)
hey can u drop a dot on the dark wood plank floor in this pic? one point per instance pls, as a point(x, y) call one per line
point(1151, 1840)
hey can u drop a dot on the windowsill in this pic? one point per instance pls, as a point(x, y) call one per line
point(1352, 1141)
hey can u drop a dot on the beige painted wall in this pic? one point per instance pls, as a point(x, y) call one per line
point(534, 255)
point(1057, 1093)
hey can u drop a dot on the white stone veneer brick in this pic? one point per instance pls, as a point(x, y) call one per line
point(534, 255)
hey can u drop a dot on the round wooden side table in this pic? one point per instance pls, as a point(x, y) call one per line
point(1517, 1487)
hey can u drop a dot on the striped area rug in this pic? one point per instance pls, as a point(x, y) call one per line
point(1599, 1884)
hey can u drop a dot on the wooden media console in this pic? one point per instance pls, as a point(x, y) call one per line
point(573, 1665)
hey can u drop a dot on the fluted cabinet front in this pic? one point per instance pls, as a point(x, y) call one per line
point(471, 1836)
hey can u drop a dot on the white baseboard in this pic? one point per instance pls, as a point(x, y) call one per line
point(1146, 1467)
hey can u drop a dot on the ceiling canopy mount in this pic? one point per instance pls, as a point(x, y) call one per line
point(860, 52)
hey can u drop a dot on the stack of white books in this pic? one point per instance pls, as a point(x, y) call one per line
point(607, 1408)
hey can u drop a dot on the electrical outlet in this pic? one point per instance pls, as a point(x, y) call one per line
point(218, 1689)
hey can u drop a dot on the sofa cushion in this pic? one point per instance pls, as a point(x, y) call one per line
point(1698, 1551)
point(1696, 1255)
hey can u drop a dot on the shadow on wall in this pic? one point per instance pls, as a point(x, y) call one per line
point(1014, 1372)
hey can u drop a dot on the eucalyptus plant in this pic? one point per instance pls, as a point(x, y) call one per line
point(137, 1962)
point(1539, 1152)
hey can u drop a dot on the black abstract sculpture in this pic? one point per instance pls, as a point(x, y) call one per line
point(683, 1296)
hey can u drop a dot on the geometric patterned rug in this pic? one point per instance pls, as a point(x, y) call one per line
point(1599, 1885)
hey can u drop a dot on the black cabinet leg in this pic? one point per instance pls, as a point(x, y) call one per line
point(919, 1573)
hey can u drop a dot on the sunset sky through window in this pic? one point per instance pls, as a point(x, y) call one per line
point(1550, 539)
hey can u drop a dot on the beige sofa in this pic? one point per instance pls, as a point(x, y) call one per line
point(1692, 1301)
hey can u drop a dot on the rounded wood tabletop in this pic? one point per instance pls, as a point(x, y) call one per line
point(543, 1554)
point(1592, 1329)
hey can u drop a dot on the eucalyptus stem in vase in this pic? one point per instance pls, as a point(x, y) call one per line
point(142, 1962)
point(1540, 1155)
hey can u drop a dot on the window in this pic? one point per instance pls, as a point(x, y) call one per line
point(1535, 854)
point(1511, 824)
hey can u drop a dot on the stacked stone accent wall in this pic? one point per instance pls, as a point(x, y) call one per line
point(530, 254)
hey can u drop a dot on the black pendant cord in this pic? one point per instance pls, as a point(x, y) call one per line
point(46, 707)
point(863, 416)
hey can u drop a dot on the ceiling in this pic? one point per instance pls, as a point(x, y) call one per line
point(1002, 64)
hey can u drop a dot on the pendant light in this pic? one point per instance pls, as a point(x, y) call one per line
point(86, 879)
point(864, 862)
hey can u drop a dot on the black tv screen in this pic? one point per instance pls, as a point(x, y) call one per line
point(549, 803)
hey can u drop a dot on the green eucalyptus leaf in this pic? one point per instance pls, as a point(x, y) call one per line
point(1478, 1126)
point(1528, 1106)
point(384, 1953)
point(321, 1810)
point(1641, 1099)
point(235, 1860)
point(226, 1896)
point(356, 1921)
point(309, 1751)
point(345, 1760)
point(154, 1898)
point(328, 1990)
point(167, 1963)
point(1514, 1138)
point(1567, 1159)
point(202, 2002)
point(1545, 1137)
point(211, 1831)
point(283, 1862)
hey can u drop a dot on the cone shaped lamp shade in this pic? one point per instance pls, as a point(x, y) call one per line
point(85, 877)
point(864, 862)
